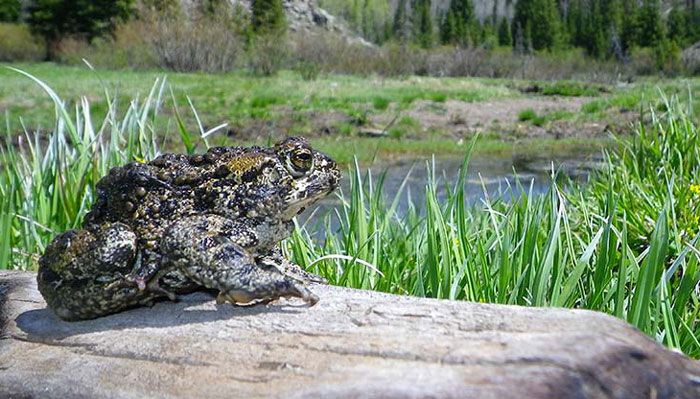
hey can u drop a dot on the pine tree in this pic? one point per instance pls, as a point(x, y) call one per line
point(540, 22)
point(651, 27)
point(369, 21)
point(692, 21)
point(458, 24)
point(10, 10)
point(400, 26)
point(630, 27)
point(594, 31)
point(505, 37)
point(267, 17)
point(86, 19)
point(677, 28)
point(423, 23)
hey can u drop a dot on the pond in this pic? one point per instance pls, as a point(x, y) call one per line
point(495, 178)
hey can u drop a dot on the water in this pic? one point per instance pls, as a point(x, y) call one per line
point(492, 178)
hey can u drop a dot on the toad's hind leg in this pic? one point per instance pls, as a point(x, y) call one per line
point(208, 249)
point(78, 267)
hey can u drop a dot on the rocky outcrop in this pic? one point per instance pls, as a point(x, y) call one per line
point(691, 58)
point(351, 344)
point(302, 15)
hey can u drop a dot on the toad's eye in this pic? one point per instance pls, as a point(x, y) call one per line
point(300, 162)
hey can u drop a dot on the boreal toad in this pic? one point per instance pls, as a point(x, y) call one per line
point(179, 223)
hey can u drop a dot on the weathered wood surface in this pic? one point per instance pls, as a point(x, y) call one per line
point(351, 344)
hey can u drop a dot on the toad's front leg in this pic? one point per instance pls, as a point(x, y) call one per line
point(209, 249)
point(275, 258)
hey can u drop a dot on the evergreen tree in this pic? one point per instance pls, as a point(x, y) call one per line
point(594, 38)
point(400, 26)
point(88, 19)
point(423, 23)
point(630, 27)
point(355, 15)
point(692, 17)
point(677, 28)
point(368, 21)
point(505, 37)
point(651, 28)
point(268, 18)
point(540, 22)
point(487, 36)
point(458, 24)
point(10, 10)
point(575, 22)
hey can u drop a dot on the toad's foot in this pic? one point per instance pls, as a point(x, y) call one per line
point(276, 259)
point(205, 249)
point(265, 286)
point(151, 287)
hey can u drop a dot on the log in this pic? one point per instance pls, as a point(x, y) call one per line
point(353, 343)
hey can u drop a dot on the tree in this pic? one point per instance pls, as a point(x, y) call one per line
point(10, 10)
point(86, 19)
point(677, 29)
point(458, 25)
point(505, 37)
point(539, 21)
point(400, 26)
point(268, 18)
point(423, 23)
point(630, 27)
point(268, 47)
point(651, 26)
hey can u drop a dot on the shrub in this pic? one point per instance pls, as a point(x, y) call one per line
point(128, 48)
point(539, 120)
point(527, 115)
point(409, 121)
point(264, 101)
point(570, 89)
point(592, 107)
point(18, 44)
point(438, 97)
point(396, 132)
point(380, 103)
point(268, 54)
point(208, 44)
point(308, 70)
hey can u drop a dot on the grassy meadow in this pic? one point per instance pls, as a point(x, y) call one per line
point(626, 243)
point(334, 109)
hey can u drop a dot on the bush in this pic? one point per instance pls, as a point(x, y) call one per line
point(570, 89)
point(527, 115)
point(128, 48)
point(268, 54)
point(209, 44)
point(308, 70)
point(337, 54)
point(642, 61)
point(18, 44)
point(380, 103)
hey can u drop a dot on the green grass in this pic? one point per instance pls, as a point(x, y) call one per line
point(381, 103)
point(571, 89)
point(539, 120)
point(527, 115)
point(237, 97)
point(625, 244)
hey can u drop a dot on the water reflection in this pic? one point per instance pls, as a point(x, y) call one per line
point(497, 178)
